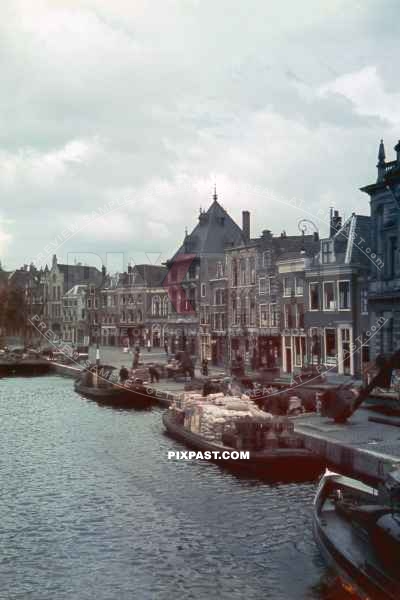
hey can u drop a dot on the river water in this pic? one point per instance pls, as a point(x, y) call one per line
point(91, 508)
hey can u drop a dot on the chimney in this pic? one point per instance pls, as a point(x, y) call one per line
point(336, 222)
point(246, 225)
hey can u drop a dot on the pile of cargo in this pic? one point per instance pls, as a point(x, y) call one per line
point(235, 421)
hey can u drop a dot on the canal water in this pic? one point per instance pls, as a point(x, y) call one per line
point(91, 508)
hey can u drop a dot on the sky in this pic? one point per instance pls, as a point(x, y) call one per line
point(121, 116)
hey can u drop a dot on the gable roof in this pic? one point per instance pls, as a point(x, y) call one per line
point(215, 231)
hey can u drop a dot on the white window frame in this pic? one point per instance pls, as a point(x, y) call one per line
point(264, 308)
point(285, 289)
point(272, 315)
point(203, 290)
point(323, 296)
point(296, 289)
point(262, 293)
point(338, 295)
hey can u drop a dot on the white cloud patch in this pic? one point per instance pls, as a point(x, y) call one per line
point(157, 101)
point(366, 90)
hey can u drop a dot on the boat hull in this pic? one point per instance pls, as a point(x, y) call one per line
point(118, 396)
point(345, 559)
point(299, 461)
point(24, 367)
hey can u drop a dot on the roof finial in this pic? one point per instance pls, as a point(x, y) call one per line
point(381, 153)
point(215, 195)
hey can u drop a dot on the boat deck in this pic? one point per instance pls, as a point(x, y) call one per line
point(356, 556)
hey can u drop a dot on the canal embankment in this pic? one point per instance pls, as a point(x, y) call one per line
point(360, 447)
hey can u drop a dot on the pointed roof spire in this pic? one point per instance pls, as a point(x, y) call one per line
point(381, 153)
point(215, 195)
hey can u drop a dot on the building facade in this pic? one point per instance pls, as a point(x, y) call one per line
point(384, 285)
point(191, 284)
point(336, 299)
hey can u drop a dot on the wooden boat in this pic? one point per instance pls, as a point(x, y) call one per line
point(100, 383)
point(23, 364)
point(357, 529)
point(300, 461)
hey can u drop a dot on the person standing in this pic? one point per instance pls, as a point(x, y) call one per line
point(204, 367)
point(136, 357)
point(149, 345)
point(166, 347)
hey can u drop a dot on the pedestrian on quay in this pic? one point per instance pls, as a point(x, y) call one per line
point(148, 345)
point(166, 348)
point(204, 367)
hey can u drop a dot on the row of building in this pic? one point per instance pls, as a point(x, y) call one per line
point(287, 301)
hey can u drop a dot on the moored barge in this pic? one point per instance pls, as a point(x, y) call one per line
point(100, 384)
point(224, 425)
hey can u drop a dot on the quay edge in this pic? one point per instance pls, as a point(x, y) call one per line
point(360, 448)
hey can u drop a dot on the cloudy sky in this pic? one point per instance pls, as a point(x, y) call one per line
point(151, 102)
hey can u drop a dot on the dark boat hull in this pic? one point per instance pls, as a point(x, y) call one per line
point(347, 554)
point(24, 367)
point(299, 461)
point(118, 396)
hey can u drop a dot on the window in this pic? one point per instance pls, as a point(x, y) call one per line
point(264, 314)
point(330, 346)
point(315, 343)
point(234, 273)
point(242, 272)
point(274, 314)
point(392, 257)
point(299, 316)
point(344, 295)
point(327, 252)
point(165, 306)
point(244, 306)
point(315, 290)
point(89, 303)
point(155, 310)
point(262, 285)
point(299, 350)
point(287, 286)
point(252, 311)
point(192, 272)
point(252, 270)
point(234, 309)
point(299, 286)
point(220, 270)
point(223, 321)
point(203, 290)
point(329, 296)
point(266, 261)
point(364, 301)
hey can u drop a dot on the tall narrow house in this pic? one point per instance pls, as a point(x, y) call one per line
point(189, 282)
